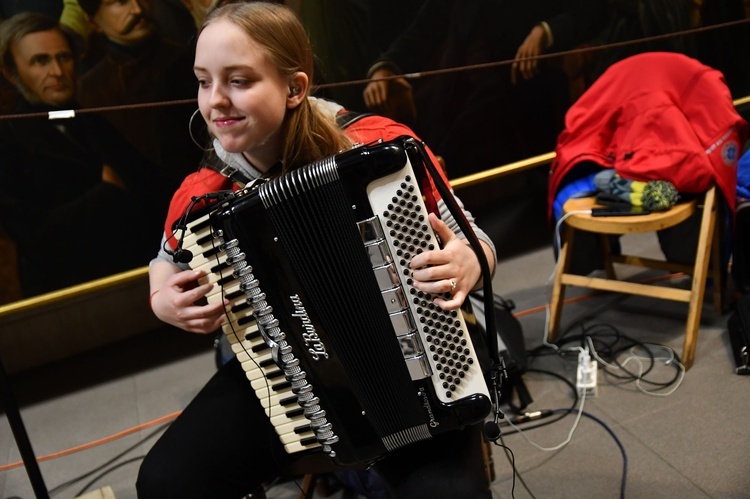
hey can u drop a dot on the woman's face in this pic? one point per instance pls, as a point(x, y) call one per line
point(241, 94)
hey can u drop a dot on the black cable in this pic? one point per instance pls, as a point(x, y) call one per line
point(604, 425)
point(546, 422)
point(106, 472)
point(630, 343)
point(512, 460)
point(640, 377)
point(508, 452)
point(565, 412)
point(609, 343)
point(118, 456)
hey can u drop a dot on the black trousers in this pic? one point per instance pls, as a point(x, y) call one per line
point(223, 446)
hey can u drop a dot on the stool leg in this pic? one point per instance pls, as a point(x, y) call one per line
point(717, 272)
point(558, 288)
point(607, 253)
point(489, 462)
point(705, 238)
point(308, 486)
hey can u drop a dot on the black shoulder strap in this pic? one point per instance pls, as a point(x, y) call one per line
point(346, 118)
point(211, 160)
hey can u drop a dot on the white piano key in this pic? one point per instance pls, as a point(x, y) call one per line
point(298, 447)
point(294, 439)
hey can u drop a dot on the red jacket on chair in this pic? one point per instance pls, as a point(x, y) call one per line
point(656, 116)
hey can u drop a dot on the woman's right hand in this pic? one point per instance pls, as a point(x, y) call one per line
point(175, 303)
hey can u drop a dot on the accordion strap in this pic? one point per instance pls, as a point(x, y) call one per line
point(346, 118)
point(211, 160)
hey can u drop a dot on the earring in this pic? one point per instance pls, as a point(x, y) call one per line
point(192, 137)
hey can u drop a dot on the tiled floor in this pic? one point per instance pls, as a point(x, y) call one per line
point(691, 443)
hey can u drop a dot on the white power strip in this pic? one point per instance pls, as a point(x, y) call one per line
point(586, 375)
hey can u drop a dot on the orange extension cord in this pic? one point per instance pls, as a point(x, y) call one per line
point(174, 415)
point(101, 441)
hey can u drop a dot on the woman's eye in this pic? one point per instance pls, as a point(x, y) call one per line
point(240, 82)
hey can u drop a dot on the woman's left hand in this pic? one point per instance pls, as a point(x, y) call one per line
point(448, 272)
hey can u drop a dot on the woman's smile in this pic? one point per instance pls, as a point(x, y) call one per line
point(226, 121)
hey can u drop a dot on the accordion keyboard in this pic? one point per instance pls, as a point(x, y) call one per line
point(241, 330)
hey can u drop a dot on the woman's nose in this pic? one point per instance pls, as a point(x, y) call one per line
point(218, 97)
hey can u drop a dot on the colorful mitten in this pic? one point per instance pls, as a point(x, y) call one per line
point(654, 195)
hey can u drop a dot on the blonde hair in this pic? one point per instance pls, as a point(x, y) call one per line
point(308, 135)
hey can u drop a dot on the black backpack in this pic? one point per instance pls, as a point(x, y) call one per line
point(512, 346)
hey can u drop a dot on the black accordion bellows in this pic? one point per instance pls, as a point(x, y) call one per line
point(362, 362)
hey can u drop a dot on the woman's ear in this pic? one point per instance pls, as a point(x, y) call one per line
point(298, 85)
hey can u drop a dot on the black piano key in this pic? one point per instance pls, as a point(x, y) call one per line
point(288, 401)
point(260, 348)
point(239, 307)
point(295, 412)
point(267, 363)
point(202, 224)
point(308, 441)
point(302, 429)
point(248, 320)
point(235, 294)
point(281, 386)
point(226, 280)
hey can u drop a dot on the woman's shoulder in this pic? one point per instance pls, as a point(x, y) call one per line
point(202, 181)
point(371, 127)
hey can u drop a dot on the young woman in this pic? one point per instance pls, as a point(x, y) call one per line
point(254, 68)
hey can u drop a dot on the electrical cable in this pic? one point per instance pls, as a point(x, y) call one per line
point(608, 344)
point(107, 472)
point(565, 412)
point(95, 443)
point(512, 460)
point(558, 238)
point(623, 480)
point(508, 452)
point(672, 359)
point(581, 412)
point(110, 461)
point(536, 352)
point(564, 442)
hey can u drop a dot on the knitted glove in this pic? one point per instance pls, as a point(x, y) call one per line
point(659, 195)
point(654, 195)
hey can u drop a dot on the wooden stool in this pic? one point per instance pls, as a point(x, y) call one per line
point(707, 248)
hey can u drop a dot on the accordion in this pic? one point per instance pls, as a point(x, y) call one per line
point(344, 354)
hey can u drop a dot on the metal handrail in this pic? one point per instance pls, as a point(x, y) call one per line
point(83, 289)
point(142, 272)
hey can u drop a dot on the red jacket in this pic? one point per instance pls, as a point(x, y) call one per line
point(655, 116)
point(363, 131)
